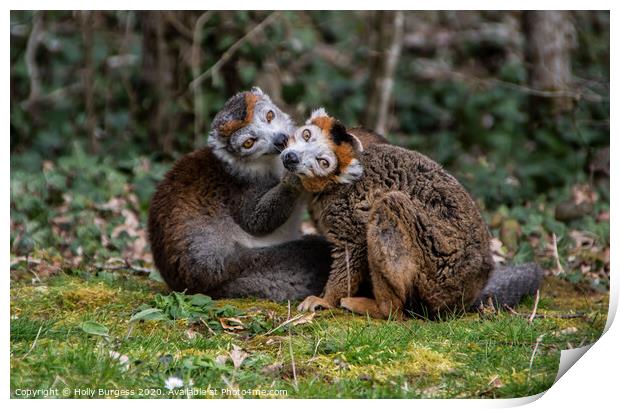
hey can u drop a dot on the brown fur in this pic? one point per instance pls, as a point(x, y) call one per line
point(191, 195)
point(407, 227)
point(198, 245)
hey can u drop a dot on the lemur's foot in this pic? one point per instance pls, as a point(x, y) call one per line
point(362, 305)
point(369, 306)
point(311, 303)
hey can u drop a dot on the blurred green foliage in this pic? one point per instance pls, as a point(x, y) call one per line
point(482, 130)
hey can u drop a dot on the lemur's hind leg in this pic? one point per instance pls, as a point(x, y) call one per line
point(395, 257)
point(362, 306)
point(288, 271)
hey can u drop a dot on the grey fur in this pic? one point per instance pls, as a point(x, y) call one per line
point(223, 223)
point(507, 285)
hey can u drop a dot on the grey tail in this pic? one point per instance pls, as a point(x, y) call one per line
point(508, 285)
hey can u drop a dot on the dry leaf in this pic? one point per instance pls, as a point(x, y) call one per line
point(191, 334)
point(569, 330)
point(304, 319)
point(238, 355)
point(583, 194)
point(497, 250)
point(221, 359)
point(273, 369)
point(582, 238)
point(496, 382)
point(231, 323)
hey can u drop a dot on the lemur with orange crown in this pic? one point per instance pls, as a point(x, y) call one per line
point(398, 221)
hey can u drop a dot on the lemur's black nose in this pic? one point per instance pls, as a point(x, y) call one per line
point(280, 141)
point(290, 160)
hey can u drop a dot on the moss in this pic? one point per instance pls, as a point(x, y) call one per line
point(573, 297)
point(417, 361)
point(87, 298)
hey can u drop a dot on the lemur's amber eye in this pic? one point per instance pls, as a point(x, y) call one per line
point(305, 134)
point(249, 143)
point(323, 163)
point(270, 116)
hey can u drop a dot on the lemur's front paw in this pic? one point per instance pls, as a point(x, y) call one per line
point(292, 180)
point(312, 302)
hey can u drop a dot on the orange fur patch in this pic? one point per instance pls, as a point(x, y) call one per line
point(344, 152)
point(325, 123)
point(316, 184)
point(230, 127)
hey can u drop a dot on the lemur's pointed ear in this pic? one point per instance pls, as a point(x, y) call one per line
point(257, 91)
point(339, 134)
point(317, 113)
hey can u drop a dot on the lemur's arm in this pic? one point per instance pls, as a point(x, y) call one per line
point(260, 211)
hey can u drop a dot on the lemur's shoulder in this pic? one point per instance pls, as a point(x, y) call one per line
point(198, 166)
point(367, 137)
point(196, 184)
point(392, 156)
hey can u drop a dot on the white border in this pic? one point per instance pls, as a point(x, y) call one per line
point(591, 382)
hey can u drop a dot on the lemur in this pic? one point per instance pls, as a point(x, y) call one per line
point(224, 222)
point(397, 219)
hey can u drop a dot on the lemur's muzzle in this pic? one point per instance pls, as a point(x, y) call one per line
point(280, 141)
point(290, 160)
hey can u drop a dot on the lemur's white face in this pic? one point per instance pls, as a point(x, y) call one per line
point(321, 152)
point(309, 153)
point(249, 132)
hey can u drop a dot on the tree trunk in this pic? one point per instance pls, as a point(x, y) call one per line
point(550, 38)
point(386, 47)
point(157, 66)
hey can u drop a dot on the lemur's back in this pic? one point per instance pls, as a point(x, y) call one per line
point(194, 192)
point(448, 225)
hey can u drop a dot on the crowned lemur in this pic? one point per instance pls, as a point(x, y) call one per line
point(225, 222)
point(396, 219)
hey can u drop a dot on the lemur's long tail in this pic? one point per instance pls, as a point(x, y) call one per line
point(509, 284)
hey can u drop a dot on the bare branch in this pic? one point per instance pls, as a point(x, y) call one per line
point(233, 49)
point(178, 25)
point(387, 82)
point(31, 53)
point(433, 71)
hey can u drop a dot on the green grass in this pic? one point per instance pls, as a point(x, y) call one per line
point(335, 354)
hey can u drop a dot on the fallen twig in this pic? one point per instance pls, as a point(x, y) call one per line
point(290, 348)
point(288, 321)
point(141, 271)
point(33, 343)
point(346, 257)
point(558, 266)
point(529, 321)
point(538, 340)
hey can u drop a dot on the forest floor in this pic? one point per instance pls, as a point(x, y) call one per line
point(73, 332)
point(88, 310)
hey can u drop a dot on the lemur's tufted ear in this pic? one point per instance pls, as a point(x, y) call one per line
point(257, 91)
point(339, 134)
point(317, 113)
